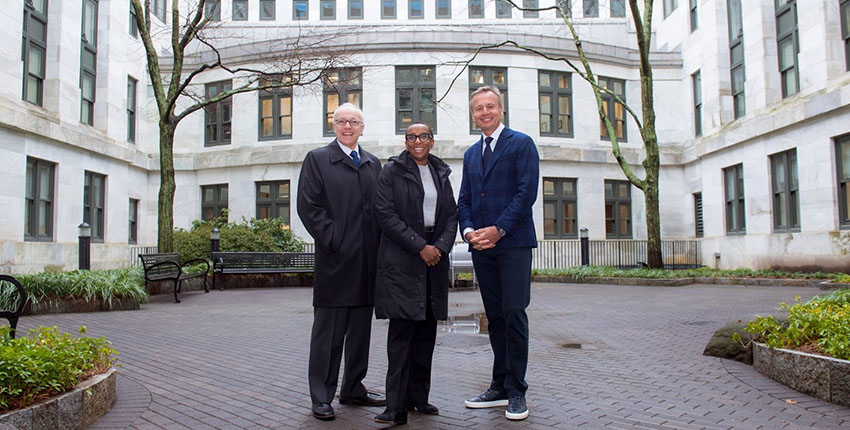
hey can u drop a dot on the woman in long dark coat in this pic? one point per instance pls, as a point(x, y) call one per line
point(417, 214)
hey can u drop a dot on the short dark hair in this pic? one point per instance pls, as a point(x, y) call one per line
point(430, 131)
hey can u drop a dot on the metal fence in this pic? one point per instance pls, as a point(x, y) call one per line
point(559, 254)
point(136, 251)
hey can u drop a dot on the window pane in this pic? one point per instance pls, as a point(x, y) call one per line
point(548, 188)
point(545, 80)
point(624, 220)
point(591, 8)
point(283, 191)
point(36, 61)
point(499, 77)
point(549, 218)
point(786, 53)
point(90, 22)
point(265, 191)
point(618, 8)
point(563, 80)
point(845, 159)
point(569, 219)
point(563, 114)
point(569, 189)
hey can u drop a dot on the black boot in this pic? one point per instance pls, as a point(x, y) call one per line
point(392, 416)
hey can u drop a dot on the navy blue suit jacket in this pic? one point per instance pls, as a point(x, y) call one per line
point(505, 193)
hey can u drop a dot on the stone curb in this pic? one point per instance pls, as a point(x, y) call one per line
point(61, 305)
point(826, 378)
point(76, 409)
point(679, 282)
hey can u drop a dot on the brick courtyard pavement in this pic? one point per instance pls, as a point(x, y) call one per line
point(237, 359)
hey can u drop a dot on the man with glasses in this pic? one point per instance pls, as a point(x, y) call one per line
point(335, 205)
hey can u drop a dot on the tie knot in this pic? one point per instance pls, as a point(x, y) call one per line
point(355, 157)
point(488, 139)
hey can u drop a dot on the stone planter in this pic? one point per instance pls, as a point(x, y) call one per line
point(61, 305)
point(822, 377)
point(76, 409)
point(261, 280)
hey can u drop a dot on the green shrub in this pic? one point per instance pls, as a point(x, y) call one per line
point(46, 362)
point(254, 235)
point(109, 285)
point(823, 322)
point(580, 272)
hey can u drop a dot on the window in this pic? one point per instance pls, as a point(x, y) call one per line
point(327, 9)
point(133, 222)
point(609, 105)
point(355, 9)
point(555, 94)
point(38, 212)
point(618, 209)
point(415, 89)
point(300, 10)
point(88, 61)
point(134, 26)
point(733, 183)
point(341, 86)
point(788, 46)
point(213, 201)
point(566, 7)
point(34, 50)
point(275, 109)
point(158, 7)
point(786, 199)
point(212, 10)
point(388, 9)
point(845, 31)
point(240, 10)
point(530, 4)
point(696, 82)
point(492, 76)
point(842, 158)
point(591, 8)
point(669, 7)
point(217, 131)
point(444, 9)
point(618, 8)
point(698, 224)
point(94, 192)
point(273, 200)
point(476, 8)
point(560, 208)
point(503, 9)
point(694, 16)
point(736, 56)
point(416, 9)
point(131, 109)
point(267, 10)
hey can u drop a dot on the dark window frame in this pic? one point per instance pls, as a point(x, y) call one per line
point(133, 222)
point(34, 42)
point(560, 199)
point(618, 11)
point(487, 73)
point(411, 10)
point(504, 10)
point(384, 4)
point(443, 5)
point(736, 57)
point(88, 49)
point(93, 214)
point(274, 202)
point(133, 25)
point(555, 92)
point(694, 16)
point(353, 6)
point(844, 11)
point(669, 7)
point(566, 6)
point(696, 85)
point(158, 8)
point(590, 9)
point(266, 14)
point(734, 200)
point(842, 152)
point(219, 115)
point(327, 5)
point(613, 223)
point(212, 10)
point(699, 226)
point(785, 187)
point(239, 10)
point(33, 200)
point(218, 203)
point(132, 106)
point(788, 36)
point(610, 105)
point(349, 82)
point(530, 4)
point(418, 89)
point(473, 6)
point(296, 5)
point(276, 96)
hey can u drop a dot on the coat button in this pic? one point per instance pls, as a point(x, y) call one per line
point(482, 194)
point(421, 305)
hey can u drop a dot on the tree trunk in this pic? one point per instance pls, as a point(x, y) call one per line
point(165, 202)
point(653, 226)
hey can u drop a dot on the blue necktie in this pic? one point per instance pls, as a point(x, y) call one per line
point(356, 158)
point(488, 152)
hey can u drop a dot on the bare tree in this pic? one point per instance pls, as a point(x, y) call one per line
point(649, 183)
point(192, 45)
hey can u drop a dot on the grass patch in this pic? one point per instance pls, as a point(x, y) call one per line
point(108, 285)
point(47, 362)
point(581, 272)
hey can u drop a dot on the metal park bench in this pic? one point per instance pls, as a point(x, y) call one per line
point(167, 267)
point(243, 263)
point(12, 315)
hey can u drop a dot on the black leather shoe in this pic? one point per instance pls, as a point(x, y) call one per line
point(323, 411)
point(517, 410)
point(489, 399)
point(392, 416)
point(368, 399)
point(427, 409)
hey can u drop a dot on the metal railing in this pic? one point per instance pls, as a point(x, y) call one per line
point(136, 251)
point(624, 254)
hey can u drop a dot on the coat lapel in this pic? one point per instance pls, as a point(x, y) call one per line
point(336, 155)
point(504, 138)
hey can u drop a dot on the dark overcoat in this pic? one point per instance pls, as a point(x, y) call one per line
point(400, 288)
point(335, 206)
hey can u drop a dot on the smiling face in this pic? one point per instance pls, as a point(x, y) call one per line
point(487, 111)
point(419, 148)
point(348, 133)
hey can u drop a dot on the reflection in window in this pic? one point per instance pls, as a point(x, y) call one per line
point(415, 88)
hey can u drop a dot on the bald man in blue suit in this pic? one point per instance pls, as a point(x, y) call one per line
point(500, 177)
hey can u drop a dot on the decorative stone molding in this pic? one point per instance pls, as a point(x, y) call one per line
point(76, 409)
point(823, 377)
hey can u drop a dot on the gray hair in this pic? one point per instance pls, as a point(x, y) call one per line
point(487, 89)
point(349, 106)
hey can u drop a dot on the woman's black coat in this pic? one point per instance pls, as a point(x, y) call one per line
point(400, 285)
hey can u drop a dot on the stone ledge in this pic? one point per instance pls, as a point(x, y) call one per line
point(679, 282)
point(60, 305)
point(76, 409)
point(823, 377)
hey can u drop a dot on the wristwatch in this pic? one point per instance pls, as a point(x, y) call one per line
point(502, 231)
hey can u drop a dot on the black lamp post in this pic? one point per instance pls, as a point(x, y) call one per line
point(215, 236)
point(585, 247)
point(85, 246)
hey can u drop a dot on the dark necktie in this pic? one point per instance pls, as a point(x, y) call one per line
point(356, 158)
point(488, 152)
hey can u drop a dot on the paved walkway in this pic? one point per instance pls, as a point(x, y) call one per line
point(237, 359)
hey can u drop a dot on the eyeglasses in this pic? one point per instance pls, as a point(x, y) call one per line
point(352, 122)
point(422, 137)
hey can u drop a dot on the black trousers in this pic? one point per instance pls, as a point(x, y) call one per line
point(504, 276)
point(333, 328)
point(410, 349)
